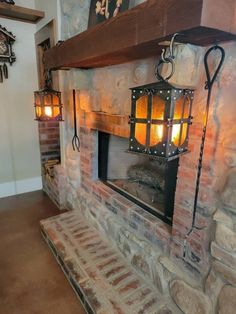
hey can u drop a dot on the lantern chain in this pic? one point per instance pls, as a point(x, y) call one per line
point(208, 86)
point(47, 75)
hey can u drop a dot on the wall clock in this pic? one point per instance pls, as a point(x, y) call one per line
point(7, 39)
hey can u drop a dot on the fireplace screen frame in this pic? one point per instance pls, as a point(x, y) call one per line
point(170, 181)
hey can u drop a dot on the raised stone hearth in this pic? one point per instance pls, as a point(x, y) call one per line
point(98, 272)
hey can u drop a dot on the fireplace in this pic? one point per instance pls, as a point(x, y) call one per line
point(148, 181)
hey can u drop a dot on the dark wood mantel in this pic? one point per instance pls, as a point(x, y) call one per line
point(135, 34)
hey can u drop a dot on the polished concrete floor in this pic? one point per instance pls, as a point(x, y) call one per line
point(31, 282)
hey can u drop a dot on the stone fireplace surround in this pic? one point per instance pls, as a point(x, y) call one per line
point(204, 281)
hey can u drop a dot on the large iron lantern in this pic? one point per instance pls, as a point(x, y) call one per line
point(160, 119)
point(48, 105)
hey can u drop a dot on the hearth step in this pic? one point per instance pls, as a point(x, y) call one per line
point(99, 274)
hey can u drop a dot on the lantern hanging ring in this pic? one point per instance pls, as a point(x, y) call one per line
point(167, 59)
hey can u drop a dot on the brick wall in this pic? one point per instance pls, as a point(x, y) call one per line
point(49, 141)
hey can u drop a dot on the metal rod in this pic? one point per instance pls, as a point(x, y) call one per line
point(209, 84)
point(75, 139)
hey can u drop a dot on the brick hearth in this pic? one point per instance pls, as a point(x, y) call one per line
point(98, 272)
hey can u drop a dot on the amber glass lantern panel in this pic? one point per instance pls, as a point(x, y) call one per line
point(38, 111)
point(179, 107)
point(158, 112)
point(56, 100)
point(176, 129)
point(178, 115)
point(141, 133)
point(56, 111)
point(142, 108)
point(48, 111)
point(156, 134)
point(184, 133)
point(158, 108)
point(186, 108)
point(47, 100)
point(37, 99)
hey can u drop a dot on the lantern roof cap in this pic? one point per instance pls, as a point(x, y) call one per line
point(162, 85)
point(48, 90)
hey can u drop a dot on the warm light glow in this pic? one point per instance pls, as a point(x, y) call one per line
point(48, 111)
point(160, 131)
point(175, 134)
point(140, 133)
point(156, 134)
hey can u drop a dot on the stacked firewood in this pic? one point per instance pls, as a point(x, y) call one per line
point(49, 167)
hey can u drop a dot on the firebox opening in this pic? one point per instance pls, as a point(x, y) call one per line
point(145, 180)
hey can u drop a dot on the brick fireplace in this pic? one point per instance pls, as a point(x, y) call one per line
point(153, 247)
point(204, 279)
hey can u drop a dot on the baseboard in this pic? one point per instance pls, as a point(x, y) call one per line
point(20, 186)
point(7, 189)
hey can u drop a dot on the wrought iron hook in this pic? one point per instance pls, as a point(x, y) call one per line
point(171, 50)
point(167, 59)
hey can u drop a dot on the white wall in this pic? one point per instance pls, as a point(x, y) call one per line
point(25, 3)
point(19, 148)
point(51, 10)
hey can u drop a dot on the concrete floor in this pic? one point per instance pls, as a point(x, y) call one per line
point(31, 282)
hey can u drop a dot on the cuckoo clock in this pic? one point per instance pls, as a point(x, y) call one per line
point(7, 39)
point(8, 1)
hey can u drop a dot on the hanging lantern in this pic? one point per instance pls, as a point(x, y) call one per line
point(160, 119)
point(160, 116)
point(47, 102)
point(48, 105)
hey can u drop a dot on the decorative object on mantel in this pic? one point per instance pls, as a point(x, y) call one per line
point(8, 1)
point(75, 139)
point(6, 54)
point(161, 115)
point(208, 86)
point(48, 106)
point(102, 10)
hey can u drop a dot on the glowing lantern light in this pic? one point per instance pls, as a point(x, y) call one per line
point(160, 119)
point(48, 105)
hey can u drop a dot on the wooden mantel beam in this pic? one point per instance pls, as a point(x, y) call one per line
point(135, 34)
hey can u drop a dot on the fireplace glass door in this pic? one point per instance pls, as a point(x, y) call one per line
point(147, 181)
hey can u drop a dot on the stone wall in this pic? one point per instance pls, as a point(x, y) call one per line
point(204, 281)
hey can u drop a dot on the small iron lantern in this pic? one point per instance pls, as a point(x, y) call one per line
point(48, 106)
point(160, 119)
point(47, 102)
point(160, 116)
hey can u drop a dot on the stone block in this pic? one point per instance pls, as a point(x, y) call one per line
point(225, 237)
point(228, 195)
point(187, 75)
point(213, 286)
point(188, 299)
point(173, 270)
point(223, 256)
point(227, 274)
point(225, 218)
point(140, 262)
point(227, 300)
